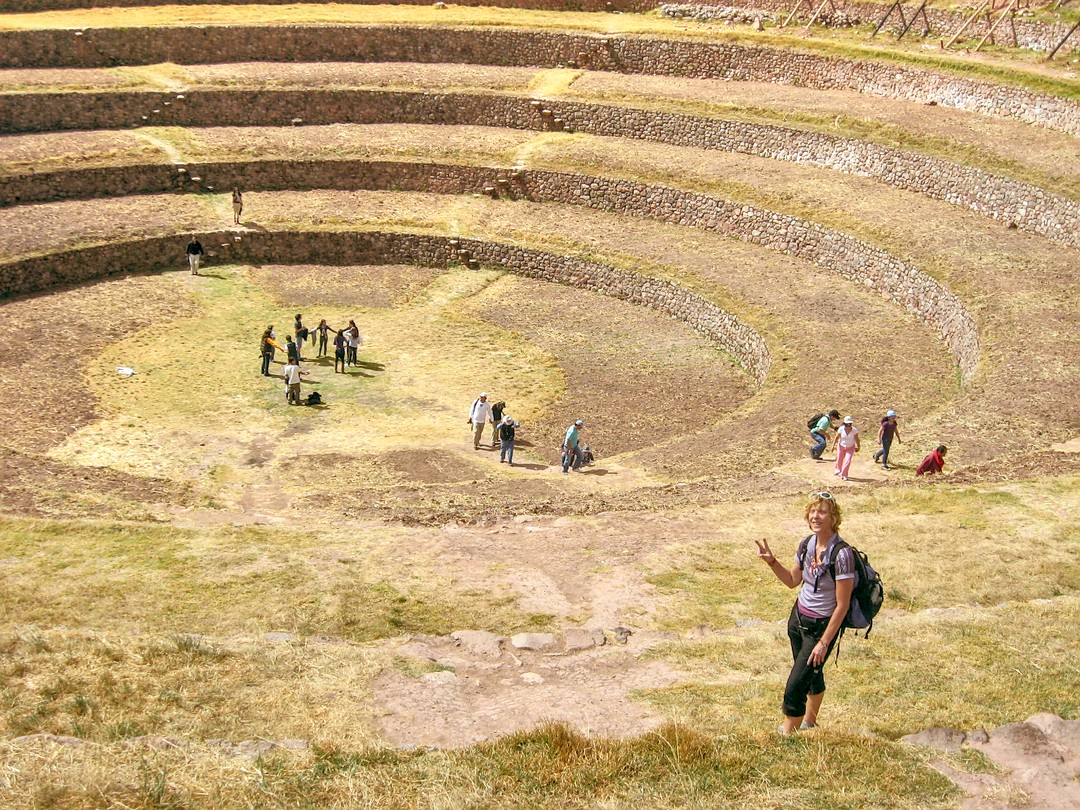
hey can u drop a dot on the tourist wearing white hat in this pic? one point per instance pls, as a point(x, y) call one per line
point(506, 430)
point(889, 430)
point(571, 449)
point(479, 413)
point(847, 445)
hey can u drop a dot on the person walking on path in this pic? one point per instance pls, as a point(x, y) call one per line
point(292, 383)
point(934, 462)
point(323, 331)
point(571, 449)
point(479, 414)
point(506, 430)
point(340, 342)
point(888, 431)
point(825, 567)
point(819, 433)
point(496, 419)
point(194, 254)
point(237, 205)
point(266, 349)
point(847, 445)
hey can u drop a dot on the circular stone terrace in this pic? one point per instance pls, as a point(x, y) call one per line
point(691, 240)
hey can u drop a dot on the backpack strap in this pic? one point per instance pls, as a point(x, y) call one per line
point(801, 555)
point(837, 547)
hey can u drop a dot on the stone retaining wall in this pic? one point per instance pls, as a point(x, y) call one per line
point(335, 248)
point(617, 53)
point(893, 278)
point(1020, 204)
point(1034, 35)
point(29, 6)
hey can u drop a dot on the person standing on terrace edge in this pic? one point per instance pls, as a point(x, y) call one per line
point(237, 205)
point(819, 433)
point(827, 576)
point(194, 254)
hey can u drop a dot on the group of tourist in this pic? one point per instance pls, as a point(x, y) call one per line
point(846, 442)
point(504, 431)
point(346, 345)
point(503, 426)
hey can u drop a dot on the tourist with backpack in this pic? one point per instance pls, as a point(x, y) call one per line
point(301, 333)
point(507, 429)
point(266, 349)
point(826, 567)
point(819, 426)
point(479, 413)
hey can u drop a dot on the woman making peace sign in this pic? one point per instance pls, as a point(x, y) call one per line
point(827, 576)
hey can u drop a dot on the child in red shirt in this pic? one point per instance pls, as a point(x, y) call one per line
point(934, 462)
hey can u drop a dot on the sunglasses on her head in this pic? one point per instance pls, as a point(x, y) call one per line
point(825, 496)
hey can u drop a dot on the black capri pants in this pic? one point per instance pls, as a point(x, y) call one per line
point(804, 632)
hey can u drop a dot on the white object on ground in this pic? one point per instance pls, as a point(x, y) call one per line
point(124, 371)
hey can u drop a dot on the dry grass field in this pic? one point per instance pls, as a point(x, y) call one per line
point(212, 599)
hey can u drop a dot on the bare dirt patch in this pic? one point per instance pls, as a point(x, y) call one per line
point(52, 335)
point(664, 379)
point(444, 77)
point(347, 286)
point(51, 150)
point(475, 697)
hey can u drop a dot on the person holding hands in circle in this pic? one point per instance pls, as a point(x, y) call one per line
point(827, 576)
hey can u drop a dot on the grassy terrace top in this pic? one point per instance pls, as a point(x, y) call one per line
point(1008, 66)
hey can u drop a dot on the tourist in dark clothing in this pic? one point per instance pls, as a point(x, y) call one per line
point(934, 462)
point(497, 417)
point(888, 431)
point(323, 331)
point(194, 254)
point(266, 349)
point(292, 350)
point(301, 333)
point(340, 342)
point(506, 441)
